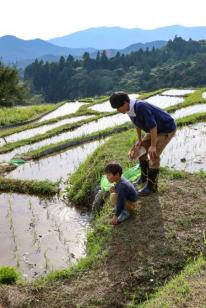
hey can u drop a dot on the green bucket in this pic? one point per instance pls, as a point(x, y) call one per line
point(131, 174)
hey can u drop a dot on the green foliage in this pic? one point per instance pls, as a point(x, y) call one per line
point(178, 64)
point(12, 90)
point(8, 275)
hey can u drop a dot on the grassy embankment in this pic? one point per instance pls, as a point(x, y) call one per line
point(187, 289)
point(54, 148)
point(41, 188)
point(83, 110)
point(190, 100)
point(14, 115)
point(71, 142)
point(51, 133)
point(127, 263)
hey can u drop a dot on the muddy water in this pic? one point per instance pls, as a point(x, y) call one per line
point(164, 101)
point(55, 167)
point(38, 236)
point(85, 129)
point(183, 112)
point(176, 92)
point(63, 110)
point(187, 150)
point(42, 129)
point(106, 107)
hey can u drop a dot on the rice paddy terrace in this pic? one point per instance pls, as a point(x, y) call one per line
point(39, 234)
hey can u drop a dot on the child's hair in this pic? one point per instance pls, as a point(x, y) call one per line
point(117, 99)
point(113, 168)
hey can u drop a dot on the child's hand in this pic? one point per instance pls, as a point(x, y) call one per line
point(112, 189)
point(115, 220)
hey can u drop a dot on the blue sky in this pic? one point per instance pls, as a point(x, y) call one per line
point(29, 19)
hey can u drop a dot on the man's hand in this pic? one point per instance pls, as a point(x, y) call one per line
point(114, 220)
point(152, 152)
point(134, 150)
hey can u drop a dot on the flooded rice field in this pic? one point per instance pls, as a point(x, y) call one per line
point(2, 142)
point(187, 111)
point(57, 166)
point(103, 107)
point(164, 101)
point(63, 110)
point(42, 129)
point(94, 126)
point(106, 107)
point(178, 92)
point(204, 95)
point(187, 150)
point(38, 236)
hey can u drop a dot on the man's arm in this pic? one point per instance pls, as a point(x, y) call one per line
point(152, 148)
point(139, 134)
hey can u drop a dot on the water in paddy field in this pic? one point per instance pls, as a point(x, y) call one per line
point(177, 92)
point(106, 107)
point(38, 236)
point(57, 166)
point(42, 129)
point(187, 150)
point(94, 126)
point(204, 95)
point(2, 142)
point(63, 110)
point(187, 111)
point(164, 101)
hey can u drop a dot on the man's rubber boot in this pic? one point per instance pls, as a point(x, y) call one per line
point(144, 166)
point(151, 185)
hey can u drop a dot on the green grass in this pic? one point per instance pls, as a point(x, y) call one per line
point(192, 119)
point(177, 292)
point(100, 241)
point(89, 173)
point(149, 94)
point(57, 147)
point(7, 132)
point(16, 115)
point(29, 186)
point(58, 130)
point(8, 275)
point(191, 99)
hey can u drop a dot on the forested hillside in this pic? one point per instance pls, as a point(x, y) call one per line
point(178, 64)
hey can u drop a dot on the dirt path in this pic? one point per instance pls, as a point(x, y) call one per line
point(142, 254)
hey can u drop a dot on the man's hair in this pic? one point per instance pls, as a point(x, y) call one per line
point(113, 168)
point(117, 99)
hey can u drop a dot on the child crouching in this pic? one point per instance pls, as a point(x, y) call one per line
point(123, 195)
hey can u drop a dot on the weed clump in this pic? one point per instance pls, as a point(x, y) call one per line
point(8, 275)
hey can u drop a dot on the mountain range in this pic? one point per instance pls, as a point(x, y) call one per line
point(119, 38)
point(23, 52)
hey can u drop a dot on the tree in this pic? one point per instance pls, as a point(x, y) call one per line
point(12, 90)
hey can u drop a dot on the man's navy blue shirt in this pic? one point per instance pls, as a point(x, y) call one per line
point(125, 191)
point(149, 116)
